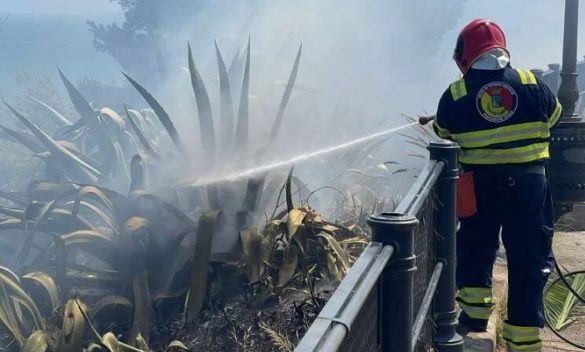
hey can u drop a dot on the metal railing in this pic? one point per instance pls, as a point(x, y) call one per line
point(400, 293)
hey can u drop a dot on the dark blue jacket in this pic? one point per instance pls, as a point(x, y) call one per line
point(498, 117)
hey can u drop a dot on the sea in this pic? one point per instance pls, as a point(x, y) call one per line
point(36, 44)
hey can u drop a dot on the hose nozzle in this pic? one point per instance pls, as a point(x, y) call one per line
point(423, 120)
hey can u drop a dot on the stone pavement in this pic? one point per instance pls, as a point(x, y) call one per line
point(569, 248)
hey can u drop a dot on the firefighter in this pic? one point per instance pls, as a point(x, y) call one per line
point(501, 118)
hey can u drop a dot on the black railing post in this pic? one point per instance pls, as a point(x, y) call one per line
point(396, 282)
point(446, 338)
point(568, 91)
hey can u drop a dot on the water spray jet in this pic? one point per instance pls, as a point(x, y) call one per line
point(247, 173)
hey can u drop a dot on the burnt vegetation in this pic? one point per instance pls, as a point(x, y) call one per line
point(102, 253)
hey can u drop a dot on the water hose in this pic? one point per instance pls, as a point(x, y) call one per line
point(563, 279)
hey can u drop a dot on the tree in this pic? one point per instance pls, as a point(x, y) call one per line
point(138, 43)
point(134, 42)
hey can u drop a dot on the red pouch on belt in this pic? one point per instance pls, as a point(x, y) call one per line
point(466, 202)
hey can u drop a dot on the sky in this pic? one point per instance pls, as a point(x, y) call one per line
point(69, 7)
point(533, 27)
point(523, 20)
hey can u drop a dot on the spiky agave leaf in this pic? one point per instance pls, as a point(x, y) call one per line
point(63, 222)
point(333, 248)
point(227, 108)
point(251, 245)
point(121, 160)
point(141, 320)
point(294, 221)
point(80, 104)
point(177, 345)
point(200, 268)
point(144, 117)
point(269, 191)
point(138, 172)
point(23, 139)
point(288, 186)
point(134, 241)
point(75, 130)
point(36, 342)
point(12, 294)
point(10, 224)
point(140, 343)
point(83, 277)
point(94, 242)
point(236, 65)
point(130, 144)
point(89, 117)
point(55, 115)
point(110, 341)
point(12, 212)
point(10, 274)
point(73, 327)
point(213, 196)
point(42, 288)
point(87, 191)
point(61, 265)
point(112, 121)
point(68, 163)
point(44, 191)
point(160, 112)
point(93, 347)
point(43, 217)
point(254, 190)
point(203, 108)
point(15, 197)
point(101, 208)
point(161, 203)
point(267, 248)
point(150, 149)
point(286, 96)
point(289, 265)
point(7, 315)
point(243, 111)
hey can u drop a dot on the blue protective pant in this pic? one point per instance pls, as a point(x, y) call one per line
point(521, 206)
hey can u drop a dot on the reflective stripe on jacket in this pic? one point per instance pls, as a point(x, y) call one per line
point(498, 116)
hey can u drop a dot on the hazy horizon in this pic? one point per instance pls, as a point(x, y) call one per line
point(380, 47)
point(60, 7)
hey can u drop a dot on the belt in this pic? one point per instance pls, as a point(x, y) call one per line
point(508, 169)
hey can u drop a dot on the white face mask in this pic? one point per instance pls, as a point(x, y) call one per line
point(495, 59)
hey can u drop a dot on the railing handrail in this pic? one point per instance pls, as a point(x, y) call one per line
point(347, 300)
point(420, 190)
point(426, 302)
point(388, 265)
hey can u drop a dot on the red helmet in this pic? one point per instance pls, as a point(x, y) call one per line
point(477, 38)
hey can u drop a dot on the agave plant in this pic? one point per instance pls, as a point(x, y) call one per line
point(102, 247)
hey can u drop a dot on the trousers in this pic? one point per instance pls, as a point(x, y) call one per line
point(520, 208)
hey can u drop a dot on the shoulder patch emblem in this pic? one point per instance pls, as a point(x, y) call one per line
point(496, 102)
